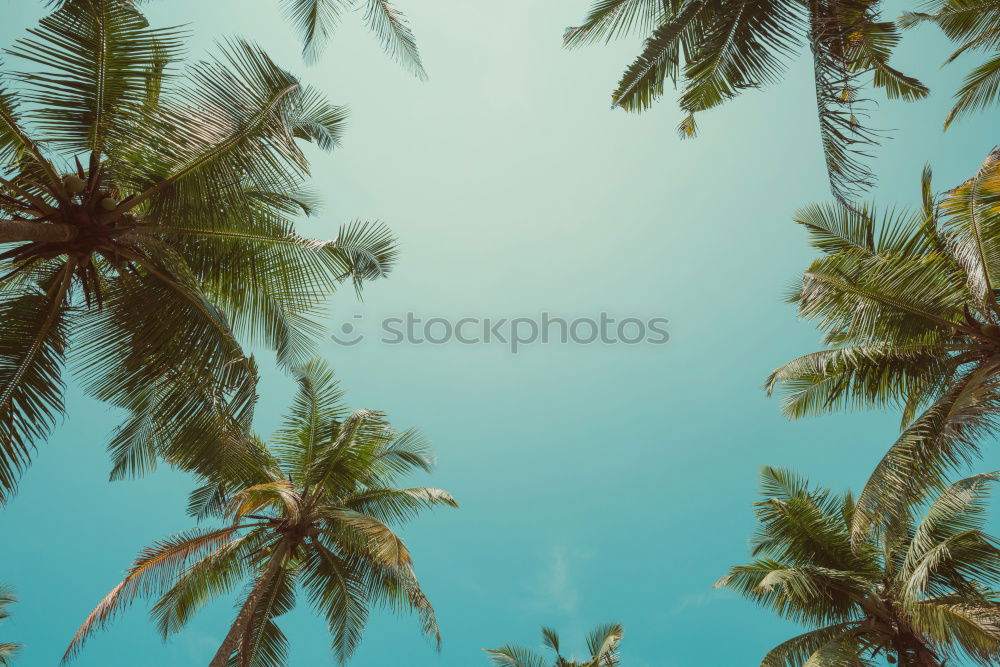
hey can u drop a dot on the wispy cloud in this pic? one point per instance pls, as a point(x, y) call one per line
point(692, 600)
point(561, 592)
point(700, 599)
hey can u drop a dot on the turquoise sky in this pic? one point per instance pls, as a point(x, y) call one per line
point(597, 482)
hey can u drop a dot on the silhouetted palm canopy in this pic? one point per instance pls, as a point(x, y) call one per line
point(316, 21)
point(7, 649)
point(602, 644)
point(919, 592)
point(975, 25)
point(718, 48)
point(149, 218)
point(908, 305)
point(311, 513)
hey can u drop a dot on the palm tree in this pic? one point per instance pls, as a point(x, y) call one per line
point(149, 223)
point(316, 21)
point(602, 643)
point(7, 649)
point(919, 593)
point(718, 48)
point(975, 26)
point(908, 307)
point(312, 512)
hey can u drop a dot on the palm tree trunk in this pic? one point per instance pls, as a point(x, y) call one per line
point(13, 231)
point(926, 658)
point(239, 626)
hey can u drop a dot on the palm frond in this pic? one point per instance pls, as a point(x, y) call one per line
point(603, 641)
point(97, 59)
point(971, 628)
point(32, 353)
point(644, 81)
point(7, 649)
point(798, 650)
point(151, 573)
point(943, 438)
point(338, 594)
point(514, 656)
point(609, 19)
point(393, 30)
point(315, 21)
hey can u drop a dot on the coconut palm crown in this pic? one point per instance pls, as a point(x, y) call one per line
point(148, 223)
point(716, 49)
point(312, 513)
point(316, 20)
point(908, 305)
point(602, 644)
point(7, 649)
point(921, 593)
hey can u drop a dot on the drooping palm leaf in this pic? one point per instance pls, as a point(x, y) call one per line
point(316, 20)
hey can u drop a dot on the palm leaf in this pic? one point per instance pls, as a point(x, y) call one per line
point(643, 82)
point(939, 441)
point(97, 58)
point(796, 651)
point(151, 572)
point(32, 353)
point(514, 656)
point(608, 19)
point(393, 30)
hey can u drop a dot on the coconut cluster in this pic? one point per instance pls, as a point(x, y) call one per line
point(75, 185)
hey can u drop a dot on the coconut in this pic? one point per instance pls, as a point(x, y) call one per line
point(74, 184)
point(109, 203)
